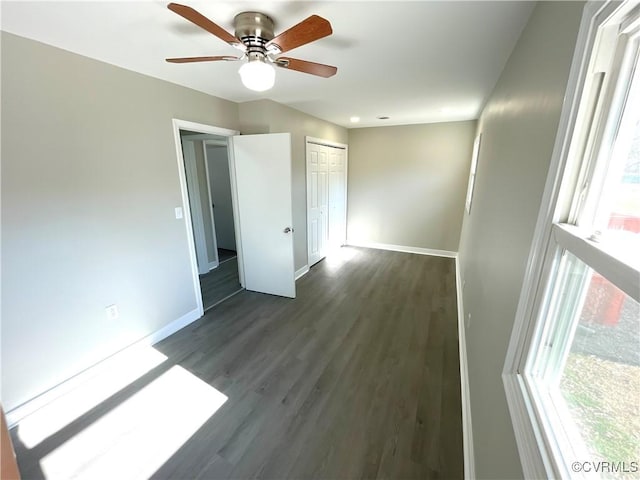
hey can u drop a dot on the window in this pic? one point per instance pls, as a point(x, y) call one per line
point(572, 374)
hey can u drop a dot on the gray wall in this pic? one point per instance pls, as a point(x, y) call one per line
point(407, 184)
point(220, 181)
point(518, 128)
point(266, 116)
point(89, 187)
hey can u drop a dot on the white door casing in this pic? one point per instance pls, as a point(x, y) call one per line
point(337, 198)
point(262, 171)
point(317, 201)
point(216, 261)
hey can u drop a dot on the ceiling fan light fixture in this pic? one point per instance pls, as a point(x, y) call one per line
point(254, 36)
point(257, 75)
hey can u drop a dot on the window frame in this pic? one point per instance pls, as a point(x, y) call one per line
point(585, 123)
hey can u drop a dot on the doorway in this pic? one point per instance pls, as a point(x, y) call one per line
point(211, 210)
point(223, 281)
point(260, 178)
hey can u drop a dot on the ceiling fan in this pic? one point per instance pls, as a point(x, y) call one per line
point(254, 37)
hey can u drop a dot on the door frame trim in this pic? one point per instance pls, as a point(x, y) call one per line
point(216, 262)
point(326, 143)
point(177, 125)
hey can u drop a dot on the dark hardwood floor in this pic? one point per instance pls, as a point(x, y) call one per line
point(221, 282)
point(358, 377)
point(225, 254)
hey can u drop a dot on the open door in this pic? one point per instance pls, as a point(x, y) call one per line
point(207, 257)
point(262, 170)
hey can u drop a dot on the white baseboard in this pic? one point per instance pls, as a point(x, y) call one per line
point(403, 248)
point(15, 415)
point(467, 431)
point(301, 271)
point(170, 329)
point(213, 265)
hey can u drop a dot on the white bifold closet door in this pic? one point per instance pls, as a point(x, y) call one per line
point(317, 202)
point(337, 197)
point(326, 200)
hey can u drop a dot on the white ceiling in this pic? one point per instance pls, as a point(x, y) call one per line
point(416, 62)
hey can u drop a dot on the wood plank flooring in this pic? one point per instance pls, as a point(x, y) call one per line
point(358, 377)
point(221, 282)
point(225, 254)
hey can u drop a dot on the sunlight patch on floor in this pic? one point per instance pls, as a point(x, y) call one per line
point(115, 374)
point(135, 439)
point(338, 256)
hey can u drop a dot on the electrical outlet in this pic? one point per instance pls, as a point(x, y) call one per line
point(468, 319)
point(112, 312)
point(178, 211)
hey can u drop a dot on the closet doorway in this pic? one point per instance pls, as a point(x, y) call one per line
point(326, 197)
point(206, 158)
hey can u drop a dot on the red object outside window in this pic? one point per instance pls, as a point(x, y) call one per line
point(604, 302)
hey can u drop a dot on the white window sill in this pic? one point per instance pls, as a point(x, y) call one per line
point(614, 257)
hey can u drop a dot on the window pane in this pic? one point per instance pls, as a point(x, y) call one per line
point(618, 208)
point(600, 381)
point(624, 210)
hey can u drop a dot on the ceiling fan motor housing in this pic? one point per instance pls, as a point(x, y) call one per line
point(255, 30)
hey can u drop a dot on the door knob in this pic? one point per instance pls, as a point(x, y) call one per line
point(288, 229)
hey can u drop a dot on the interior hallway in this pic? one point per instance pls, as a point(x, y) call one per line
point(221, 282)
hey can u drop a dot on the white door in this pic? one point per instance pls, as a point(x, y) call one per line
point(262, 170)
point(337, 198)
point(326, 198)
point(195, 206)
point(317, 201)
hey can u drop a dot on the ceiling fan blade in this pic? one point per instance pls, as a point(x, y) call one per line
point(203, 22)
point(309, 30)
point(303, 66)
point(202, 59)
